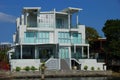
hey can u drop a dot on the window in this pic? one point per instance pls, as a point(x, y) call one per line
point(29, 37)
point(59, 23)
point(29, 34)
point(45, 20)
point(63, 52)
point(76, 38)
point(43, 37)
point(64, 37)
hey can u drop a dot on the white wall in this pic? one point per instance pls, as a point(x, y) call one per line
point(82, 31)
point(91, 63)
point(22, 63)
point(51, 37)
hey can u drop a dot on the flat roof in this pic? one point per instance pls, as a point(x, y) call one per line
point(71, 10)
point(29, 9)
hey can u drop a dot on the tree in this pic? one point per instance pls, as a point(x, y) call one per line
point(111, 30)
point(91, 34)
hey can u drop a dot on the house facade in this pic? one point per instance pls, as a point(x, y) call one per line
point(53, 37)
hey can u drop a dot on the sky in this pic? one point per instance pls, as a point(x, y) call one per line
point(94, 13)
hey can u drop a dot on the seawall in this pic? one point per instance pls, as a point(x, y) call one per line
point(54, 73)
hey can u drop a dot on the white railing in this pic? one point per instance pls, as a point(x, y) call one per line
point(53, 64)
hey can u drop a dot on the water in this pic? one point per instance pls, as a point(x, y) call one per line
point(76, 78)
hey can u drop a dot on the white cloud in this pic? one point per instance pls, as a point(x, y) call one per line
point(7, 18)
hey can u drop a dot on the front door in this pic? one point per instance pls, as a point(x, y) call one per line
point(63, 52)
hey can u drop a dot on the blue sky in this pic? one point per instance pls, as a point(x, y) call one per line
point(94, 13)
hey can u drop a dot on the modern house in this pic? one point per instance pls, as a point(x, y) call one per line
point(53, 37)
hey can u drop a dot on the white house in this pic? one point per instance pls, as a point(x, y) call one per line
point(53, 37)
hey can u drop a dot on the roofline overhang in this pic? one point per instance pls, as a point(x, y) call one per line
point(71, 10)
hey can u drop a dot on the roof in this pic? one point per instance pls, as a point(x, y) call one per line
point(29, 9)
point(71, 10)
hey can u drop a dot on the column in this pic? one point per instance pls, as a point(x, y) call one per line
point(88, 52)
point(69, 20)
point(70, 56)
point(74, 51)
point(21, 51)
point(82, 51)
point(54, 18)
point(35, 53)
point(22, 19)
point(77, 18)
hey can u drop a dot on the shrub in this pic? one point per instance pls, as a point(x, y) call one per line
point(18, 69)
point(27, 68)
point(98, 68)
point(92, 68)
point(33, 68)
point(85, 67)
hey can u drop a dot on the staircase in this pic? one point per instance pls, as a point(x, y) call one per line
point(64, 65)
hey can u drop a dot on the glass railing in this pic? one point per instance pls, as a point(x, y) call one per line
point(32, 24)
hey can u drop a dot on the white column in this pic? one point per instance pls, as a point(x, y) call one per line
point(77, 18)
point(74, 49)
point(88, 52)
point(82, 51)
point(18, 22)
point(54, 19)
point(26, 16)
point(70, 56)
point(35, 52)
point(56, 36)
point(21, 51)
point(69, 20)
point(22, 19)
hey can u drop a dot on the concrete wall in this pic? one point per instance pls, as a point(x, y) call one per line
point(22, 63)
point(91, 63)
point(82, 31)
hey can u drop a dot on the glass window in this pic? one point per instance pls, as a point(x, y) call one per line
point(64, 37)
point(43, 37)
point(76, 38)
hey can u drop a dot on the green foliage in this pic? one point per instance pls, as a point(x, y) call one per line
point(33, 68)
point(3, 55)
point(18, 68)
point(91, 34)
point(98, 68)
point(27, 68)
point(92, 68)
point(85, 67)
point(111, 30)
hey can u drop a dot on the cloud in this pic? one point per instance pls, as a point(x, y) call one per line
point(7, 18)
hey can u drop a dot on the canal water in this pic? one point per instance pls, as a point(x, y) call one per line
point(76, 78)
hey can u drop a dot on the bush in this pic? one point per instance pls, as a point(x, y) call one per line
point(92, 68)
point(85, 67)
point(27, 68)
point(18, 69)
point(33, 68)
point(98, 68)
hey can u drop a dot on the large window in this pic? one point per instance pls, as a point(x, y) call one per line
point(43, 37)
point(59, 23)
point(29, 37)
point(76, 38)
point(64, 37)
point(36, 37)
